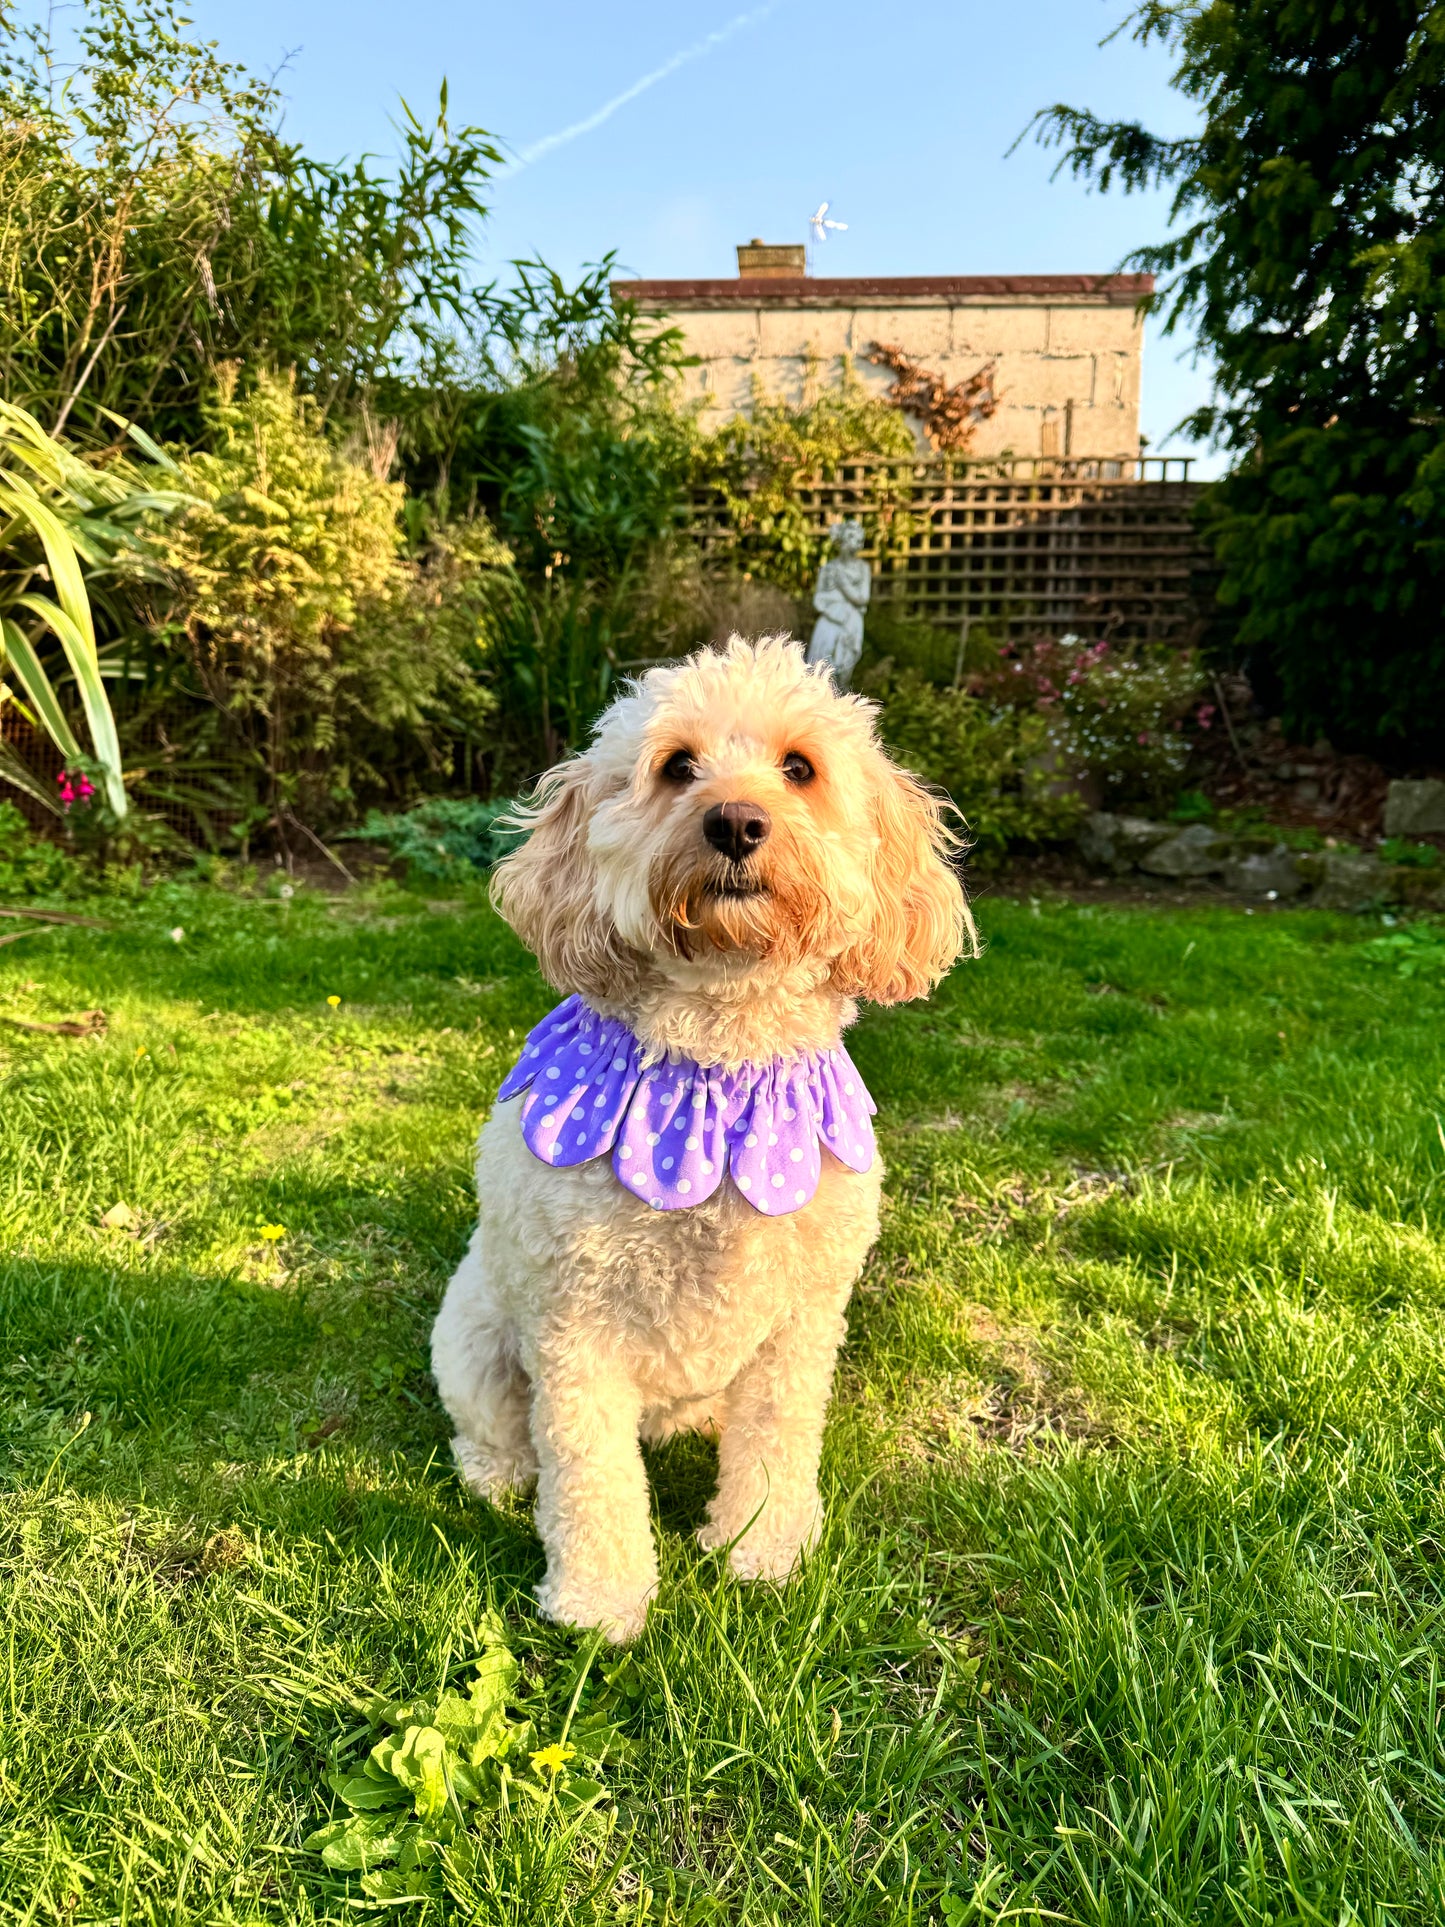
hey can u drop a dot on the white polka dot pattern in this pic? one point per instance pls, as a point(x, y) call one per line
point(675, 1128)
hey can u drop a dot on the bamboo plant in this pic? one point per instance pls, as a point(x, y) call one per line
point(63, 519)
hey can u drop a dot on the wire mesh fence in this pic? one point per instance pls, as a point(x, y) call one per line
point(33, 748)
point(161, 782)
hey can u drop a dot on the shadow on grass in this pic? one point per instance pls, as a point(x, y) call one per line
point(683, 1476)
point(166, 1361)
point(428, 1222)
point(148, 1347)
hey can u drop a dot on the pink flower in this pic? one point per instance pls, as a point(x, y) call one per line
point(1204, 715)
point(73, 789)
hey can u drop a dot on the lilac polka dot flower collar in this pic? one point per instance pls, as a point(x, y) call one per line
point(674, 1127)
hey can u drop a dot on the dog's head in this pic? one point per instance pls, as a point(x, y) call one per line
point(735, 809)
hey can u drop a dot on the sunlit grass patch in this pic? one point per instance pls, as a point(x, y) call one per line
point(1129, 1601)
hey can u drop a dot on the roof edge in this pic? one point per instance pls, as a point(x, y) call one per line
point(878, 291)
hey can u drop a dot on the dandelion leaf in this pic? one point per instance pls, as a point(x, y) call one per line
point(390, 1884)
point(366, 1793)
point(575, 1790)
point(351, 1846)
point(496, 1675)
point(419, 1763)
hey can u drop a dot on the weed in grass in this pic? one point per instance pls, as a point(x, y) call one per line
point(456, 1765)
point(1416, 947)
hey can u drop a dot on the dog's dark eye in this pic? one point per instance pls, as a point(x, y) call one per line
point(797, 768)
point(680, 767)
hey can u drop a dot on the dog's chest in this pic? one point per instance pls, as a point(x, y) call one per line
point(707, 1289)
point(695, 1291)
point(688, 1296)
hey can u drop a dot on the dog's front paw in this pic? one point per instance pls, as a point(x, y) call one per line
point(491, 1473)
point(618, 1612)
point(768, 1547)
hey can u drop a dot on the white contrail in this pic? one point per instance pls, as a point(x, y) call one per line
point(605, 112)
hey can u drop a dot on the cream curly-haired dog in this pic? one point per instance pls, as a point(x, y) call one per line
point(729, 865)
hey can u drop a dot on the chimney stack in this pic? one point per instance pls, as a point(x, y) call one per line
point(759, 262)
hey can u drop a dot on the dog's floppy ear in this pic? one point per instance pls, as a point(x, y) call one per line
point(920, 921)
point(546, 888)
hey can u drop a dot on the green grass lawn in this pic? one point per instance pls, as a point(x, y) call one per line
point(1131, 1605)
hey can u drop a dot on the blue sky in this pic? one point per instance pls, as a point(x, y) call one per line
point(902, 118)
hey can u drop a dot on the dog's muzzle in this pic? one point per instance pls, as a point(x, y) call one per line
point(735, 830)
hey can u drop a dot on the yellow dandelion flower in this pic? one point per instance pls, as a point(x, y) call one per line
point(272, 1232)
point(335, 1002)
point(552, 1759)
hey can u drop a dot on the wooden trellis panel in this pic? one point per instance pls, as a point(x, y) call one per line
point(1030, 547)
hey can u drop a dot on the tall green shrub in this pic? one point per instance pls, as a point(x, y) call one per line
point(997, 763)
point(158, 229)
point(157, 225)
point(558, 420)
point(304, 620)
point(1309, 257)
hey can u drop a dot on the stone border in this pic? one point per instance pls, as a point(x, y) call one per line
point(1257, 865)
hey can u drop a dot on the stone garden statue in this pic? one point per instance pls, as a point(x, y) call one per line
point(845, 583)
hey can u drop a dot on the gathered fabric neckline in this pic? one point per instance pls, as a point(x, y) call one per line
point(675, 1127)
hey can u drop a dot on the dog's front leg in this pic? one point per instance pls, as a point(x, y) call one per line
point(767, 1494)
point(592, 1510)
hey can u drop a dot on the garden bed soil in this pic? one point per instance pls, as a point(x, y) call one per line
point(1246, 763)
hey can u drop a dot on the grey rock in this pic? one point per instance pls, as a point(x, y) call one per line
point(1137, 835)
point(1097, 845)
point(1109, 842)
point(1269, 873)
point(1345, 881)
point(1197, 851)
point(1415, 808)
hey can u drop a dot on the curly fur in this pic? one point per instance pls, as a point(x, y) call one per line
point(580, 1320)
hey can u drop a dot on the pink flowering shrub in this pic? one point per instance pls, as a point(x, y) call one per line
point(1114, 716)
point(988, 758)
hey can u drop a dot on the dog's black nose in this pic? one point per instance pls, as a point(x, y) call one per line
point(737, 828)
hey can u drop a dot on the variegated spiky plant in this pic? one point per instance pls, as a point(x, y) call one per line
point(64, 520)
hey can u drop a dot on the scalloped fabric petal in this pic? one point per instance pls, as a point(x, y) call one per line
point(675, 1128)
